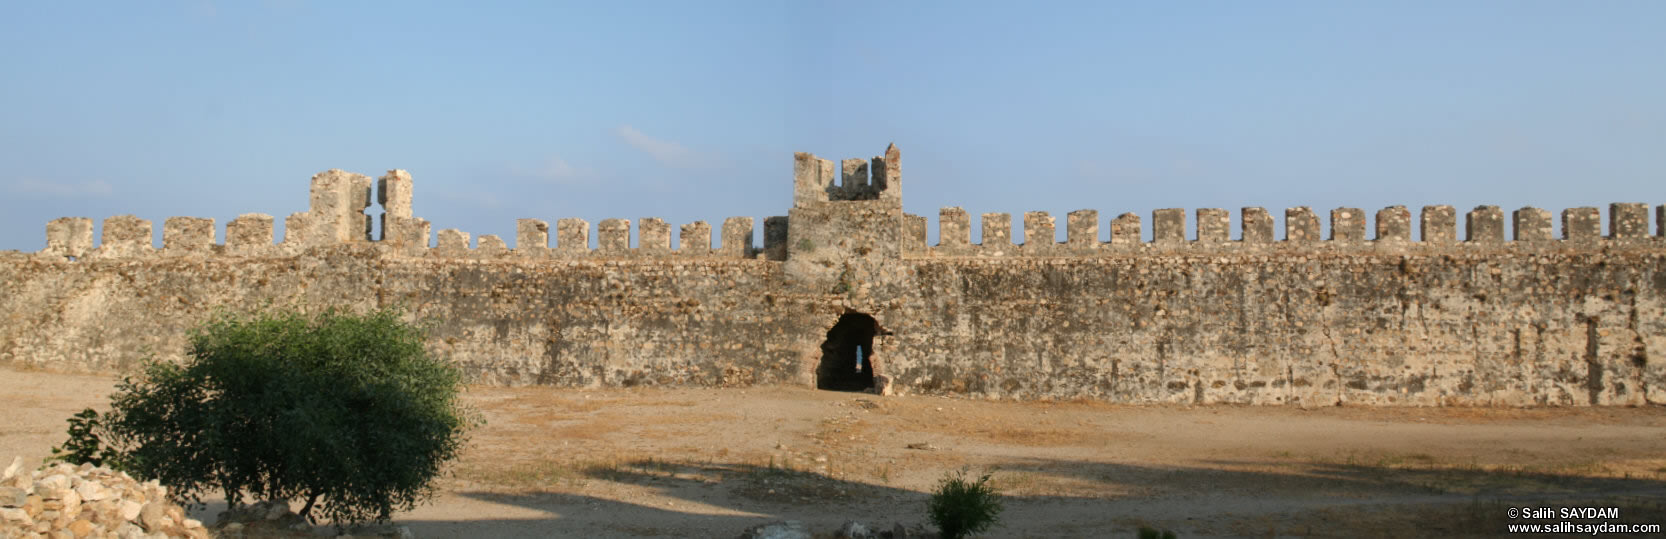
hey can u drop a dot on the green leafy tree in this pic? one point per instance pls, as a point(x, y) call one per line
point(85, 444)
point(347, 412)
point(961, 507)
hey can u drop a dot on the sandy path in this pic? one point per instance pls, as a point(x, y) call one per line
point(709, 463)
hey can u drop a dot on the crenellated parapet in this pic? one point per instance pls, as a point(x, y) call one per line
point(1485, 227)
point(843, 213)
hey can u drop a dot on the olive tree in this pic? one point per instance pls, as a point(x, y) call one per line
point(347, 412)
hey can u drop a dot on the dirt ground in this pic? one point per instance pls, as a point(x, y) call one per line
point(711, 462)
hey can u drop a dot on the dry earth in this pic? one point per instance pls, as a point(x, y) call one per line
point(709, 462)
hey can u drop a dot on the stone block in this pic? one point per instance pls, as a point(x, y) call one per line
point(653, 235)
point(572, 235)
point(695, 238)
point(1301, 225)
point(913, 233)
point(1082, 228)
point(1257, 225)
point(1581, 224)
point(853, 179)
point(887, 174)
point(491, 246)
point(336, 212)
point(532, 237)
point(453, 244)
point(1532, 224)
point(297, 230)
point(1039, 231)
point(409, 235)
point(997, 230)
point(1439, 224)
point(737, 237)
point(249, 233)
point(954, 228)
point(393, 192)
point(69, 237)
point(613, 236)
point(182, 235)
point(1125, 229)
point(1484, 224)
point(1347, 225)
point(1214, 225)
point(126, 236)
point(775, 237)
point(813, 179)
point(1394, 224)
point(1168, 225)
point(1628, 220)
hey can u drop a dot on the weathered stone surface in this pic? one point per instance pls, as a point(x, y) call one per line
point(1581, 225)
point(1394, 224)
point(572, 235)
point(737, 237)
point(914, 234)
point(90, 501)
point(997, 234)
point(188, 235)
point(125, 236)
point(490, 246)
point(1168, 226)
point(1125, 229)
point(655, 236)
point(1628, 220)
point(532, 237)
point(1440, 224)
point(695, 238)
point(1082, 229)
point(1301, 225)
point(775, 237)
point(1532, 224)
point(1040, 236)
point(1484, 224)
point(954, 230)
point(1347, 225)
point(249, 234)
point(1257, 226)
point(69, 237)
point(453, 244)
point(1214, 225)
point(1304, 321)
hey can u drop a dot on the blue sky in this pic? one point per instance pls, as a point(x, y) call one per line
point(691, 110)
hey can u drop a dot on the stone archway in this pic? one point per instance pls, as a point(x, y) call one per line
point(847, 358)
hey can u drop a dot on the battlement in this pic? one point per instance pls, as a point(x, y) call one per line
point(1485, 228)
point(1176, 306)
point(336, 216)
point(337, 200)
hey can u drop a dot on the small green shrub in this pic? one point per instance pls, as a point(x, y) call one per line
point(86, 444)
point(960, 507)
point(349, 413)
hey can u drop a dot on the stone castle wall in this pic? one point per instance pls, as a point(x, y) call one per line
point(1507, 315)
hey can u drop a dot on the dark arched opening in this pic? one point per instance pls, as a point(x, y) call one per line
point(847, 354)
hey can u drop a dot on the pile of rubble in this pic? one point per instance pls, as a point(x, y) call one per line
point(794, 529)
point(88, 501)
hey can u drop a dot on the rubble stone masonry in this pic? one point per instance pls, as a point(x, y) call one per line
point(1510, 315)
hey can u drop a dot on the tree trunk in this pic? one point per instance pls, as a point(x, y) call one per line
point(306, 510)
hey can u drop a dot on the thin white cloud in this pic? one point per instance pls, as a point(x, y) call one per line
point(473, 198)
point(665, 152)
point(557, 170)
point(45, 189)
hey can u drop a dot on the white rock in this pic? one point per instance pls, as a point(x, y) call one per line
point(13, 514)
point(17, 464)
point(130, 509)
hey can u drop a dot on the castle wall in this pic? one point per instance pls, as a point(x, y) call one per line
point(1507, 314)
